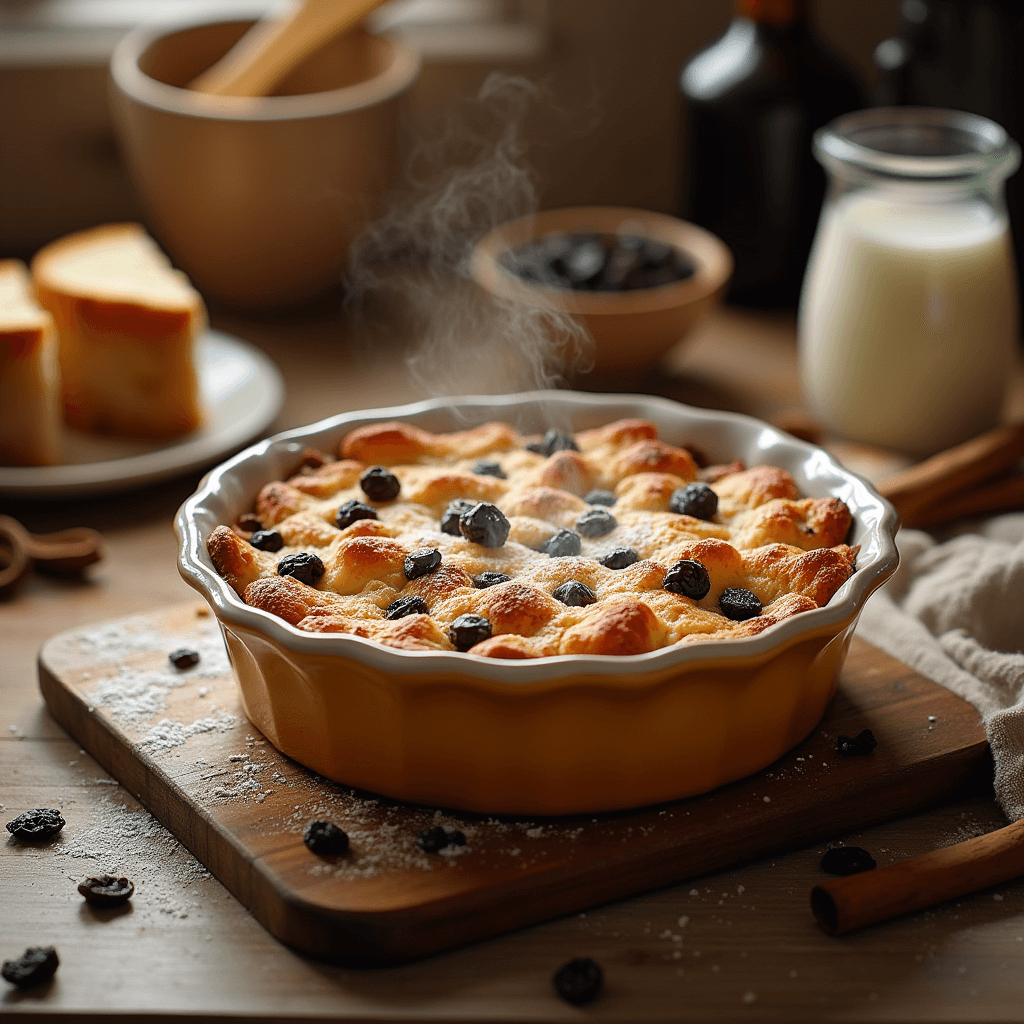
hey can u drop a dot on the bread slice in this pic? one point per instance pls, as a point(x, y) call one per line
point(127, 324)
point(30, 416)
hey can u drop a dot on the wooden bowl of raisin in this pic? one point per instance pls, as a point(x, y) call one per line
point(638, 281)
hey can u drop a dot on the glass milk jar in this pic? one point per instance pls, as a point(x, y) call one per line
point(908, 320)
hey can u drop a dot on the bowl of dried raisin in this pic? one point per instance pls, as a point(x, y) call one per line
point(637, 281)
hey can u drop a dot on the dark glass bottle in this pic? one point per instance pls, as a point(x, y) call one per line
point(751, 102)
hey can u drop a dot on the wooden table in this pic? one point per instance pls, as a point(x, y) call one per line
point(737, 945)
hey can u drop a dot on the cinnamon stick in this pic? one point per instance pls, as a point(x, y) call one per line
point(1005, 494)
point(950, 472)
point(859, 900)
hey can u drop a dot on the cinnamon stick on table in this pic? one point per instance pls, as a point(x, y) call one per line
point(918, 492)
point(859, 900)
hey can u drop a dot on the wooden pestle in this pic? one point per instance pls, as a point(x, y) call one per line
point(275, 46)
point(872, 896)
point(920, 492)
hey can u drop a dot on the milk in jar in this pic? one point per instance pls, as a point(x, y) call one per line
point(909, 314)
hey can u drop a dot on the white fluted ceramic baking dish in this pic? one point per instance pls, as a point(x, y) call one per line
point(559, 735)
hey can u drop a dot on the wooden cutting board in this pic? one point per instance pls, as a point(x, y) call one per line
point(179, 741)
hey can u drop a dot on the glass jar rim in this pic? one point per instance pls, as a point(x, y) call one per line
point(856, 140)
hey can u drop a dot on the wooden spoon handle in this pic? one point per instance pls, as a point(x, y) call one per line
point(264, 56)
point(873, 896)
point(14, 557)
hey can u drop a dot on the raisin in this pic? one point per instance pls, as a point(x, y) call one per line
point(847, 860)
point(313, 458)
point(562, 544)
point(267, 540)
point(688, 578)
point(484, 468)
point(552, 442)
point(619, 558)
point(402, 606)
point(438, 838)
point(468, 630)
point(106, 890)
point(325, 837)
point(697, 500)
point(421, 563)
point(37, 965)
point(738, 603)
point(183, 657)
point(452, 514)
point(863, 743)
point(249, 523)
point(352, 511)
point(489, 579)
point(485, 524)
point(599, 497)
point(303, 566)
point(595, 522)
point(578, 981)
point(380, 484)
point(41, 823)
point(575, 594)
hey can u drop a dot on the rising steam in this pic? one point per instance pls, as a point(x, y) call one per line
point(416, 257)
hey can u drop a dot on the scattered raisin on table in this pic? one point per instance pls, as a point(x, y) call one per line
point(688, 578)
point(574, 594)
point(485, 524)
point(325, 837)
point(738, 604)
point(380, 484)
point(267, 540)
point(847, 860)
point(595, 522)
point(402, 606)
point(303, 566)
point(578, 981)
point(438, 838)
point(34, 967)
point(696, 499)
point(619, 558)
point(183, 657)
point(468, 630)
point(851, 746)
point(421, 563)
point(562, 543)
point(41, 823)
point(352, 511)
point(106, 890)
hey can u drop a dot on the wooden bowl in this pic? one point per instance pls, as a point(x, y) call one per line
point(631, 330)
point(258, 199)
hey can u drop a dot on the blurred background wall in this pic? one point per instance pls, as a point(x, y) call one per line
point(607, 131)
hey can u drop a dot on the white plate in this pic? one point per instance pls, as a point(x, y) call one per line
point(241, 392)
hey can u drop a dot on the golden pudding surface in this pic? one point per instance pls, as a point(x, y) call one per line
point(785, 552)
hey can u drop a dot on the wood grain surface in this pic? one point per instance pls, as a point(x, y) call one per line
point(738, 944)
point(232, 802)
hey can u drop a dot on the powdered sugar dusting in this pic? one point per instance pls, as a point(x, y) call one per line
point(166, 735)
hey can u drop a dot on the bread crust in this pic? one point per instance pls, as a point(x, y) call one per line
point(788, 550)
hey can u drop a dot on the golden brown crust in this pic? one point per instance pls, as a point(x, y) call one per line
point(786, 549)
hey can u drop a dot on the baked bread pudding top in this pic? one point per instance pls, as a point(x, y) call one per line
point(608, 541)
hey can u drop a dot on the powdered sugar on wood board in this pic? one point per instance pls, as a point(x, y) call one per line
point(144, 677)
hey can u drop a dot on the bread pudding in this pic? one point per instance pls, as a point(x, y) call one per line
point(486, 541)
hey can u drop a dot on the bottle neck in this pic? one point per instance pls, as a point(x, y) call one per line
point(773, 13)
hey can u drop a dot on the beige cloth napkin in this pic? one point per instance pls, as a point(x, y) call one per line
point(955, 612)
